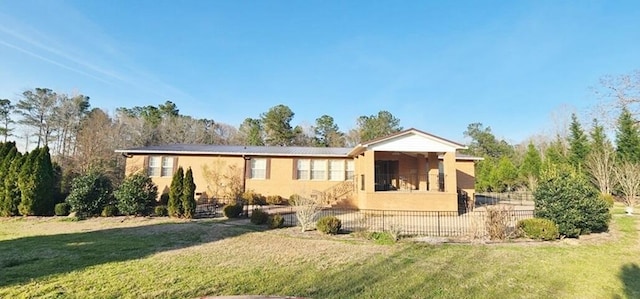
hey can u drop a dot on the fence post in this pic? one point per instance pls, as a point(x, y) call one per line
point(438, 217)
point(383, 221)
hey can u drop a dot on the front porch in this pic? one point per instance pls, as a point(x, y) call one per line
point(412, 170)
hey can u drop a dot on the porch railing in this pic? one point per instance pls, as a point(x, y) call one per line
point(408, 182)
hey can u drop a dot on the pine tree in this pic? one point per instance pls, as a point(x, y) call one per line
point(578, 143)
point(530, 168)
point(188, 195)
point(599, 140)
point(627, 138)
point(12, 195)
point(174, 206)
point(555, 153)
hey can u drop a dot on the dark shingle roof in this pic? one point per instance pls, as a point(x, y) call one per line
point(239, 150)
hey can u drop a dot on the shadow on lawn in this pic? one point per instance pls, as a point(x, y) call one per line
point(630, 277)
point(24, 259)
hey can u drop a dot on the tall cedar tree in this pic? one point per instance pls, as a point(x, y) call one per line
point(27, 184)
point(188, 193)
point(7, 153)
point(578, 143)
point(5, 165)
point(12, 195)
point(36, 181)
point(174, 206)
point(627, 138)
point(45, 184)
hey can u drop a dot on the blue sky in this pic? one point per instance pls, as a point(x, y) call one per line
point(436, 65)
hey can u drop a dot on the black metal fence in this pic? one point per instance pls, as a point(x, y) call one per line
point(413, 223)
point(522, 198)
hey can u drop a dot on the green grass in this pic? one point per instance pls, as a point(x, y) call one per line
point(160, 258)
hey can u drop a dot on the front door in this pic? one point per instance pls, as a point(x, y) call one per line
point(386, 175)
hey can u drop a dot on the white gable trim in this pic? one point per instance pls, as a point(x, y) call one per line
point(414, 142)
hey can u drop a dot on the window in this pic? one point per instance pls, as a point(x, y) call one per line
point(302, 170)
point(318, 169)
point(258, 168)
point(167, 166)
point(350, 170)
point(154, 165)
point(160, 166)
point(336, 170)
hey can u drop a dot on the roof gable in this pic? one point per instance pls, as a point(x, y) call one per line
point(410, 140)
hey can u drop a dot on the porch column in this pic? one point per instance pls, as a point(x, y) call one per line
point(369, 171)
point(449, 165)
point(422, 178)
point(433, 171)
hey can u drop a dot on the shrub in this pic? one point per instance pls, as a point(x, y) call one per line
point(232, 210)
point(497, 222)
point(565, 197)
point(109, 211)
point(160, 211)
point(258, 217)
point(253, 198)
point(276, 200)
point(62, 209)
point(136, 194)
point(608, 198)
point(538, 229)
point(329, 225)
point(90, 193)
point(276, 221)
point(294, 197)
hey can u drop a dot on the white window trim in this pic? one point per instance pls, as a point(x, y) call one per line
point(253, 169)
point(318, 162)
point(157, 170)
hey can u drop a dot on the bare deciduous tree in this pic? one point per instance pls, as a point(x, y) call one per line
point(223, 181)
point(307, 209)
point(626, 175)
point(600, 165)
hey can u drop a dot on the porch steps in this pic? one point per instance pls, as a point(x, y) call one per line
point(338, 195)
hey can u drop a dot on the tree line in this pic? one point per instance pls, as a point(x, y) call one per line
point(82, 138)
point(611, 164)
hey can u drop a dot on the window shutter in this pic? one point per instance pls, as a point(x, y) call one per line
point(267, 174)
point(175, 164)
point(295, 168)
point(247, 169)
point(145, 165)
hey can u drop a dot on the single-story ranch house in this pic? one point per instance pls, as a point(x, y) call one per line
point(408, 170)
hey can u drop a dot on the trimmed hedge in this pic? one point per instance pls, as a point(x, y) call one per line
point(538, 229)
point(258, 217)
point(329, 225)
point(276, 221)
point(161, 211)
point(62, 209)
point(232, 210)
point(109, 211)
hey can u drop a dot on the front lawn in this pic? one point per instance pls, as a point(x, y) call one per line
point(156, 258)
